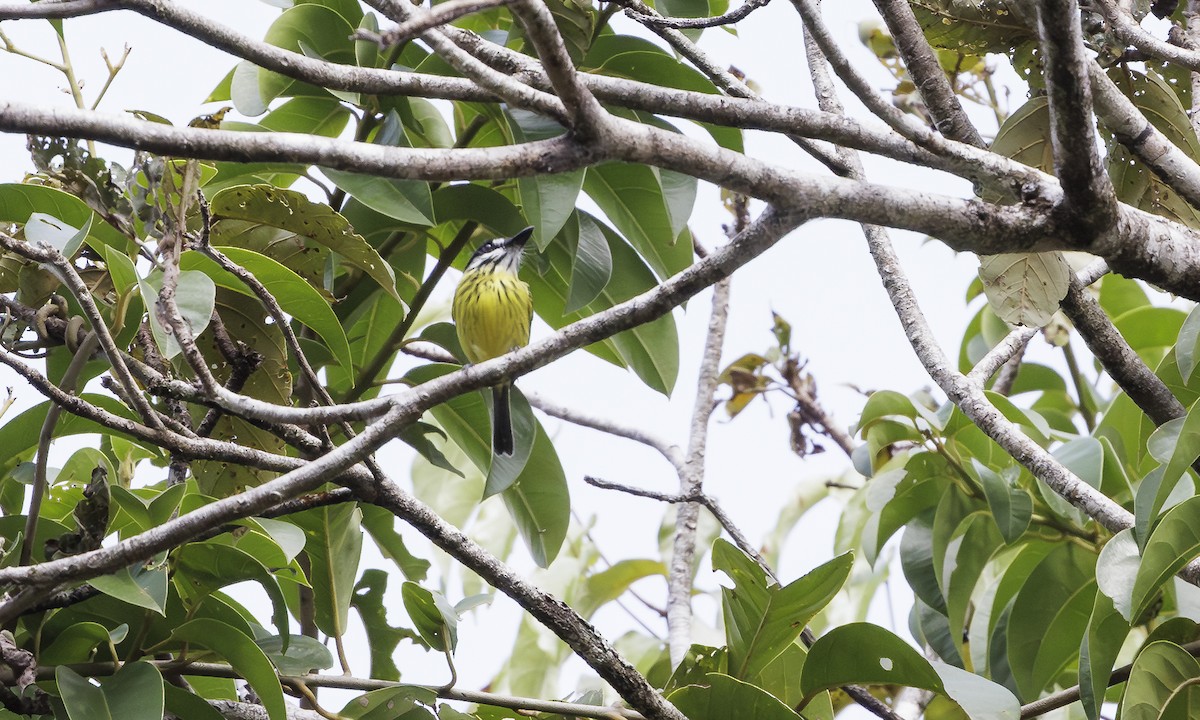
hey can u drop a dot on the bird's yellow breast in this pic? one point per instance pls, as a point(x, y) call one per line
point(492, 310)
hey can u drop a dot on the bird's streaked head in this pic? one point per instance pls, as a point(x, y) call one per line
point(501, 253)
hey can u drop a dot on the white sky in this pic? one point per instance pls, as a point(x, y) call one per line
point(820, 278)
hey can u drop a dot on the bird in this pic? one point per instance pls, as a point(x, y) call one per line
point(492, 311)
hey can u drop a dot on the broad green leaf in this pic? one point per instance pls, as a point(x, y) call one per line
point(468, 201)
point(247, 659)
point(548, 201)
point(382, 638)
point(1188, 344)
point(973, 542)
point(865, 654)
point(1171, 545)
point(403, 701)
point(203, 567)
point(184, 704)
point(979, 698)
point(1025, 135)
point(292, 211)
point(408, 201)
point(286, 535)
point(312, 30)
point(76, 643)
point(1049, 618)
point(333, 546)
point(974, 25)
point(650, 350)
point(760, 619)
point(591, 268)
point(536, 495)
point(195, 296)
point(299, 655)
point(1105, 634)
point(1116, 570)
point(1025, 288)
point(609, 584)
point(432, 615)
point(722, 697)
point(633, 197)
point(1161, 671)
point(140, 585)
point(135, 692)
point(19, 435)
point(312, 115)
point(1012, 507)
point(296, 297)
point(1134, 182)
point(885, 403)
point(19, 201)
point(916, 560)
point(49, 230)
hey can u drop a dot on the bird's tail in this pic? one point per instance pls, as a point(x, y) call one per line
point(502, 432)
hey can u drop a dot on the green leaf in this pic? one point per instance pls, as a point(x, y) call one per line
point(203, 567)
point(183, 704)
point(297, 298)
point(882, 404)
point(308, 28)
point(292, 211)
point(19, 201)
point(432, 615)
point(865, 654)
point(382, 638)
point(334, 549)
point(403, 701)
point(592, 263)
point(722, 697)
point(1116, 570)
point(650, 350)
point(247, 659)
point(979, 698)
point(536, 493)
point(468, 201)
point(762, 620)
point(1012, 506)
point(548, 201)
point(1187, 345)
point(1161, 671)
point(1105, 634)
point(608, 585)
point(634, 198)
point(43, 228)
point(408, 201)
point(1172, 544)
point(1049, 618)
point(299, 655)
point(140, 585)
point(1134, 182)
point(974, 25)
point(76, 643)
point(1025, 288)
point(195, 296)
point(135, 692)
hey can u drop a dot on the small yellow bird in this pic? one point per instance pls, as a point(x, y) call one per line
point(493, 310)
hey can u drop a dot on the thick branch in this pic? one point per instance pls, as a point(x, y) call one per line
point(927, 73)
point(1089, 202)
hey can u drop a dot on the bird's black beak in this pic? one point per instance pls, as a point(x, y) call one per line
point(521, 238)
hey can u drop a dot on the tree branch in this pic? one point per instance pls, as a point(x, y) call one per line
point(927, 73)
point(1089, 201)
